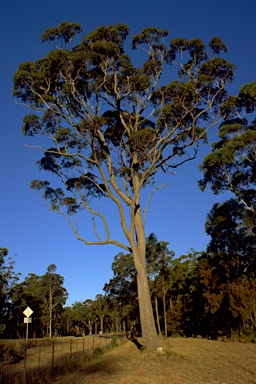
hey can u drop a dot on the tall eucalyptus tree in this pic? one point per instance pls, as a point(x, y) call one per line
point(113, 126)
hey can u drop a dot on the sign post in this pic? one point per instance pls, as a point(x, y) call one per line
point(28, 312)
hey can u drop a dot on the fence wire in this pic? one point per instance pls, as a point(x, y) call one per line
point(48, 357)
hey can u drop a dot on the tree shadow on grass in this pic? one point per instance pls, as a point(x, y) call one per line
point(134, 341)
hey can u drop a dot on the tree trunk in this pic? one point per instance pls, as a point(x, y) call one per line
point(50, 313)
point(165, 319)
point(157, 316)
point(147, 322)
point(138, 246)
point(164, 305)
point(67, 327)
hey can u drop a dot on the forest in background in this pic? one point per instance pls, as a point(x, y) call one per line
point(210, 293)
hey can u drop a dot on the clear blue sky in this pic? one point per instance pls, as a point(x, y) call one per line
point(177, 213)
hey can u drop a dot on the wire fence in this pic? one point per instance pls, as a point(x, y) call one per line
point(42, 358)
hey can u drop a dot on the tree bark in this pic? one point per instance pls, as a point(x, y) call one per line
point(138, 246)
point(50, 313)
point(165, 319)
point(148, 327)
point(157, 316)
point(164, 305)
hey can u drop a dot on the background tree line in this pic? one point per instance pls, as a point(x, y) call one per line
point(210, 293)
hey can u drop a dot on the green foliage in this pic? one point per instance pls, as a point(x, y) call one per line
point(45, 295)
point(121, 290)
point(242, 304)
point(65, 32)
point(217, 45)
point(81, 317)
point(70, 85)
point(231, 163)
point(230, 265)
point(231, 228)
point(8, 278)
point(231, 251)
point(158, 259)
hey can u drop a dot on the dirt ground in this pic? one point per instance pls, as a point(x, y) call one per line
point(185, 361)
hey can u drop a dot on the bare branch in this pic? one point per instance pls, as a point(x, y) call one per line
point(149, 199)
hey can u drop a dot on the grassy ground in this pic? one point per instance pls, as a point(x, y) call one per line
point(184, 361)
point(46, 358)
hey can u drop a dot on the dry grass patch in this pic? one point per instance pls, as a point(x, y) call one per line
point(48, 358)
point(184, 361)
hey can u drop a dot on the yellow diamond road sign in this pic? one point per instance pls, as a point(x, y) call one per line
point(28, 312)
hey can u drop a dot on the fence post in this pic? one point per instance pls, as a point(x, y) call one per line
point(52, 354)
point(70, 349)
point(39, 358)
point(63, 361)
point(1, 364)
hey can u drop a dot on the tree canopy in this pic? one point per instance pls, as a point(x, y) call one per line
point(45, 295)
point(231, 165)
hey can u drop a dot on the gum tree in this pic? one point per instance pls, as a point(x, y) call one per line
point(231, 164)
point(8, 278)
point(53, 294)
point(113, 126)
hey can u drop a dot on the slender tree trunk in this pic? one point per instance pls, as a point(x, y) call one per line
point(165, 320)
point(157, 317)
point(164, 305)
point(50, 312)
